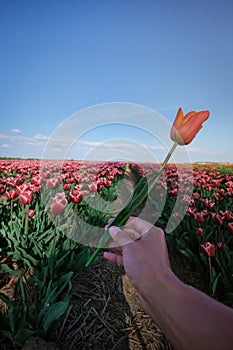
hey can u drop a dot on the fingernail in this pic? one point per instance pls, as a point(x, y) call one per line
point(113, 230)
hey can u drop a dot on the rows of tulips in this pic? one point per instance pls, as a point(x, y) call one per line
point(33, 245)
point(204, 237)
point(31, 239)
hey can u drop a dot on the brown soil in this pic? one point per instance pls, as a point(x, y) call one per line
point(105, 313)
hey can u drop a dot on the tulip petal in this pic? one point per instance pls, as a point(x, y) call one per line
point(203, 116)
point(189, 116)
point(179, 120)
point(190, 129)
point(190, 132)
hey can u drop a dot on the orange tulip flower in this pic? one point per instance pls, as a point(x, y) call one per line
point(186, 127)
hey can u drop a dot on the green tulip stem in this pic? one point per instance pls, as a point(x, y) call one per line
point(137, 199)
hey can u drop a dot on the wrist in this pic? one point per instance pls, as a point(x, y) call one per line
point(158, 295)
point(157, 282)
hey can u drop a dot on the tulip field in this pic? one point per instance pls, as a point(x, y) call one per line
point(39, 260)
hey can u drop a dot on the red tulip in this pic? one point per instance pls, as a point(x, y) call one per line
point(85, 193)
point(196, 195)
point(217, 196)
point(14, 181)
point(199, 231)
point(31, 213)
point(221, 246)
point(173, 193)
point(76, 196)
point(208, 204)
point(217, 219)
point(66, 187)
point(11, 194)
point(186, 127)
point(58, 205)
point(221, 192)
point(85, 179)
point(71, 180)
point(23, 187)
point(208, 249)
point(226, 215)
point(199, 217)
point(107, 183)
point(37, 180)
point(186, 200)
point(92, 187)
point(26, 197)
point(176, 215)
point(191, 211)
point(52, 183)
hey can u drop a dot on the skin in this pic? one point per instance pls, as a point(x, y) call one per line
point(189, 318)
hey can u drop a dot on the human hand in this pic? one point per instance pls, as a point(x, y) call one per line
point(142, 249)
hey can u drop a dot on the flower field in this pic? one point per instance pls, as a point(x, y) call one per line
point(42, 249)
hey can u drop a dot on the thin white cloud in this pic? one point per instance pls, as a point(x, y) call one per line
point(119, 144)
point(204, 151)
point(37, 140)
point(40, 137)
point(114, 149)
point(62, 147)
point(16, 131)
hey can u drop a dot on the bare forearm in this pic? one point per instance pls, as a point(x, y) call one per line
point(190, 319)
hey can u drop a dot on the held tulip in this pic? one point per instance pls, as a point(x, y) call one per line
point(183, 131)
point(186, 127)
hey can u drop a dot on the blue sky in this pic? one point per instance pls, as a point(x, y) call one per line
point(62, 56)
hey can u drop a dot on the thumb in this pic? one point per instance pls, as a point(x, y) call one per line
point(119, 237)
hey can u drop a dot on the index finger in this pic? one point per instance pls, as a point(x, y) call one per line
point(140, 226)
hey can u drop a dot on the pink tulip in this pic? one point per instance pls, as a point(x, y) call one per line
point(59, 203)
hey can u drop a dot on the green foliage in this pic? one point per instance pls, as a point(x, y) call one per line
point(184, 240)
point(53, 259)
point(45, 257)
